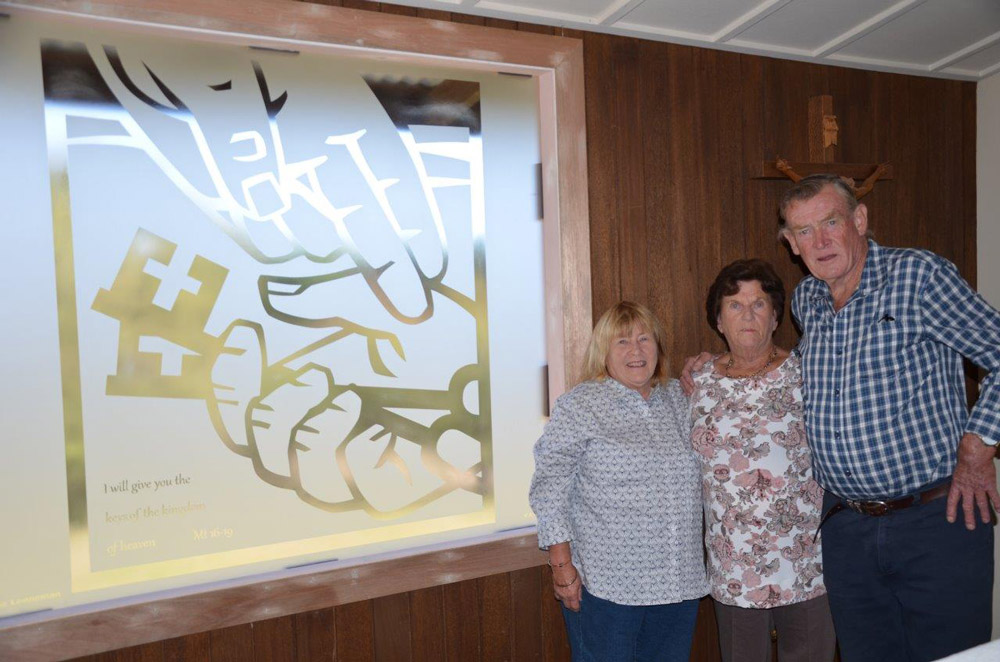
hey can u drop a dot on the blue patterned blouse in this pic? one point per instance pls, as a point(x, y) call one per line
point(616, 477)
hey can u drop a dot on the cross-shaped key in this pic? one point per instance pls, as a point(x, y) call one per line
point(155, 302)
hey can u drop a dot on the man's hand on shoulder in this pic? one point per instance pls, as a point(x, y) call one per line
point(692, 365)
point(974, 482)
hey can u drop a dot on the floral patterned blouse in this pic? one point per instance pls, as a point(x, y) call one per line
point(762, 507)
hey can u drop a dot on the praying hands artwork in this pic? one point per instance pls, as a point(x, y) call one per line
point(340, 348)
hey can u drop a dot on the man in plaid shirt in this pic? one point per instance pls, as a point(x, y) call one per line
point(884, 330)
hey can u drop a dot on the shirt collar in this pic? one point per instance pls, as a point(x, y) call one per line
point(874, 272)
point(620, 389)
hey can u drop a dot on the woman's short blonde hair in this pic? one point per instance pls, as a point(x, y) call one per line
point(616, 322)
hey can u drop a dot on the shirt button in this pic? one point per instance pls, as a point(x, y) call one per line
point(836, 435)
point(839, 352)
point(847, 473)
point(836, 392)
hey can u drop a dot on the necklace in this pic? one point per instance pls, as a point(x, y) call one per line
point(763, 370)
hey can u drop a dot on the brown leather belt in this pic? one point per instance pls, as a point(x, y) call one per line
point(878, 508)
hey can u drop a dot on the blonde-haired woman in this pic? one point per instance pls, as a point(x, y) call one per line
point(616, 492)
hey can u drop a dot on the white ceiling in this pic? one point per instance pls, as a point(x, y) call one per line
point(943, 38)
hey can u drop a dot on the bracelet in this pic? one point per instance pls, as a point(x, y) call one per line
point(558, 565)
point(575, 577)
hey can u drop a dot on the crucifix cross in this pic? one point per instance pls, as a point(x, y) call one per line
point(823, 133)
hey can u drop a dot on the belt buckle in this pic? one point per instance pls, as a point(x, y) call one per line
point(870, 508)
point(877, 508)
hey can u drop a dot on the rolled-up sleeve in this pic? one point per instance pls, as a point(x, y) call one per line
point(957, 316)
point(557, 459)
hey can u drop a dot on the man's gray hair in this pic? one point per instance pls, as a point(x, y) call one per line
point(809, 187)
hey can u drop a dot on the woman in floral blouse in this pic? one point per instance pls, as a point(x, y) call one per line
point(762, 507)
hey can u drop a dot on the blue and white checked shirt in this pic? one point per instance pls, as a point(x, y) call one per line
point(884, 388)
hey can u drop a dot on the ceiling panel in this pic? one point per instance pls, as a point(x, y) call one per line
point(586, 9)
point(809, 24)
point(703, 18)
point(930, 32)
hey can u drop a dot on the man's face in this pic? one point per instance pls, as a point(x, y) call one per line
point(829, 238)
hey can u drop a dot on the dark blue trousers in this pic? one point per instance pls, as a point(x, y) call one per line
point(908, 585)
point(604, 631)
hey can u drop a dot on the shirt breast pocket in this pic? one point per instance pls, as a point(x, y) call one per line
point(887, 347)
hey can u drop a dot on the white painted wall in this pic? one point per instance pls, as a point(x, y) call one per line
point(988, 226)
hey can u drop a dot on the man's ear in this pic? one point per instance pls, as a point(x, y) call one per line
point(787, 235)
point(860, 218)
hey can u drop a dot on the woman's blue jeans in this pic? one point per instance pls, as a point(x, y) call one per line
point(603, 631)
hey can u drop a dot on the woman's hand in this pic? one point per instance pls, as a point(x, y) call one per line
point(692, 365)
point(565, 577)
point(567, 586)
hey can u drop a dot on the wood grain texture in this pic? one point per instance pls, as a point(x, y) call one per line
point(694, 197)
point(427, 639)
point(434, 14)
point(555, 644)
point(495, 618)
point(391, 628)
point(629, 173)
point(355, 632)
point(605, 255)
point(233, 644)
point(461, 621)
point(315, 635)
point(563, 91)
point(274, 639)
point(191, 648)
point(968, 213)
point(526, 615)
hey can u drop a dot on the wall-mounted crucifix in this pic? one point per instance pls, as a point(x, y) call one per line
point(823, 130)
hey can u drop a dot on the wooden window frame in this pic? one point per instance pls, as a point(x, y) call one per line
point(557, 62)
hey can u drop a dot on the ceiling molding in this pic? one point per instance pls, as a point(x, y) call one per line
point(618, 11)
point(968, 51)
point(748, 20)
point(989, 71)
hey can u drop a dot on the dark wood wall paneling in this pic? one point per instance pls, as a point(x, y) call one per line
point(675, 196)
point(501, 617)
point(675, 137)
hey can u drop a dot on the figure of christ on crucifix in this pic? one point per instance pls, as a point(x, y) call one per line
point(823, 133)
